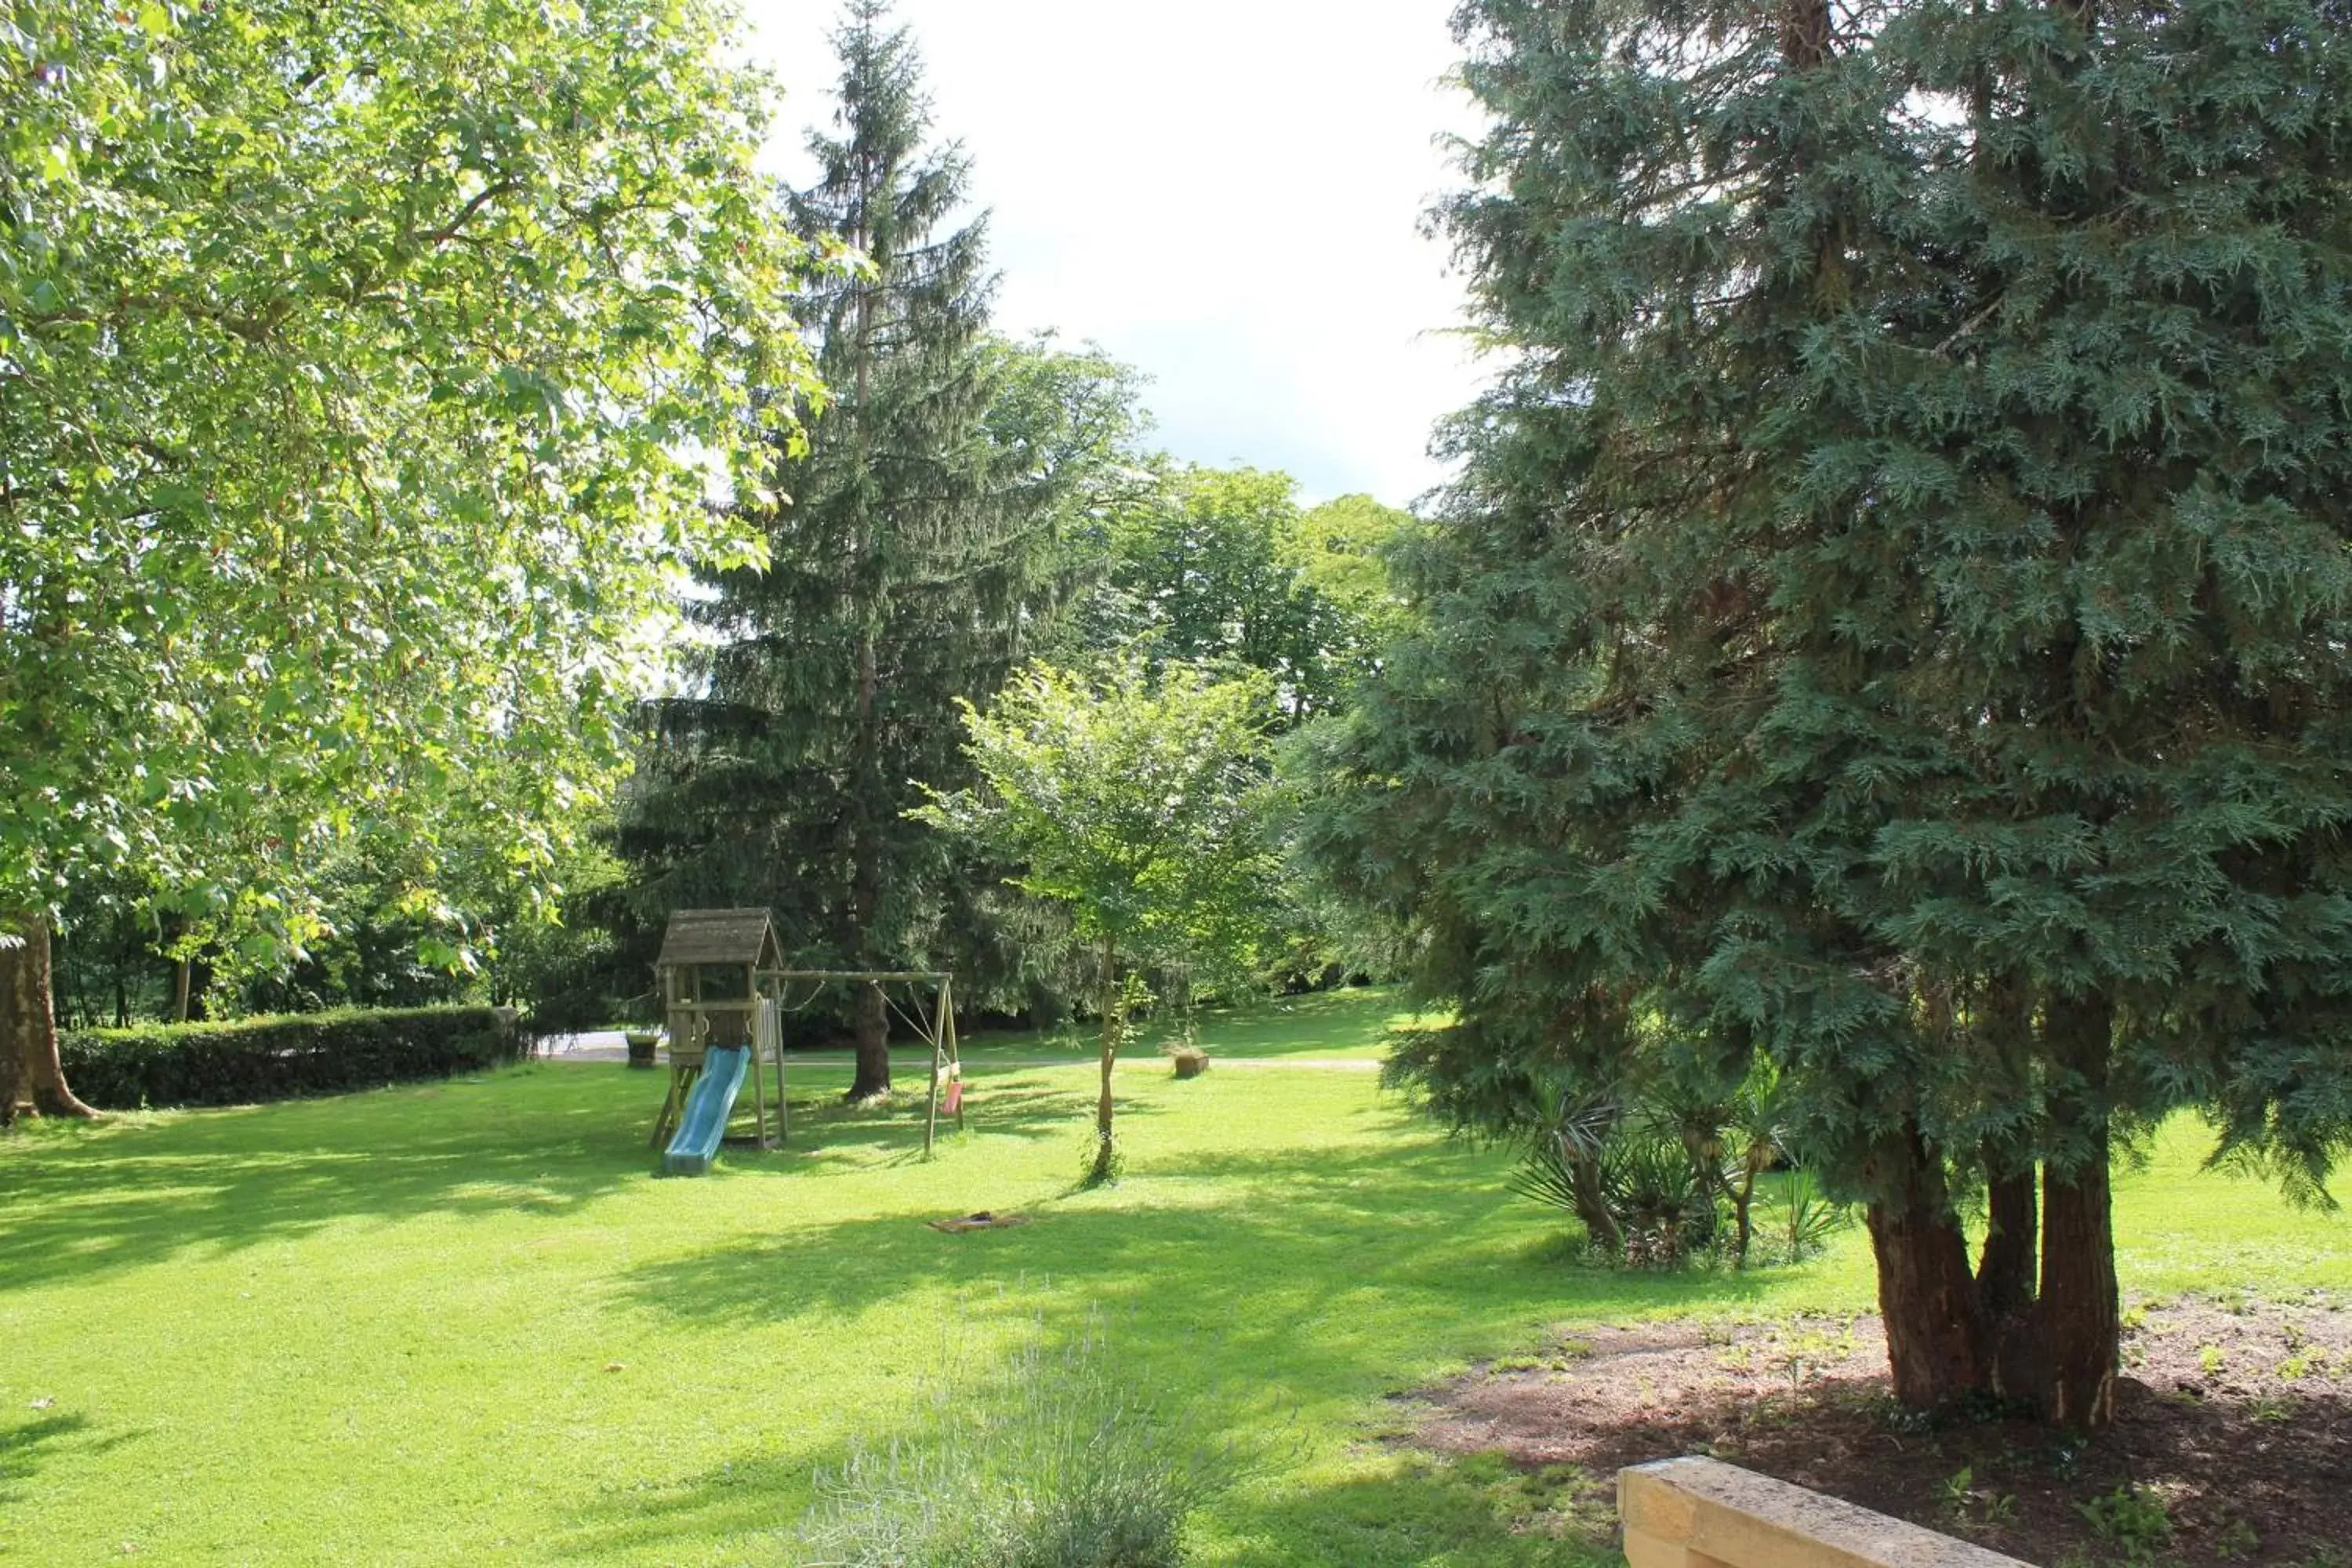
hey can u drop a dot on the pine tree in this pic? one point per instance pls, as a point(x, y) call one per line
point(912, 555)
point(1895, 615)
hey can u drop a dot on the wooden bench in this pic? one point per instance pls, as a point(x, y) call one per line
point(1703, 1513)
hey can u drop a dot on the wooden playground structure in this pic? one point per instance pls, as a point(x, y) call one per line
point(723, 985)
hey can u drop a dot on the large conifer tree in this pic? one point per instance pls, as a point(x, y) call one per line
point(1894, 616)
point(911, 555)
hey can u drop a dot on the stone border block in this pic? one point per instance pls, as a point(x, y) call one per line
point(1703, 1513)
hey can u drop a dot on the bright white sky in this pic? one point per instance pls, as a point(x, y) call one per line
point(1225, 194)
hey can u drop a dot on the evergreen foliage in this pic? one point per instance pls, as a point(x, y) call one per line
point(1894, 614)
point(912, 555)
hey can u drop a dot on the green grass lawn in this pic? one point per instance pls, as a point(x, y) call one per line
point(464, 1321)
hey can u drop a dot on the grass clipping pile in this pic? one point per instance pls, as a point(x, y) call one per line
point(2232, 1442)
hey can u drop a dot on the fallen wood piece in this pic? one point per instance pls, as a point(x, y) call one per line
point(983, 1220)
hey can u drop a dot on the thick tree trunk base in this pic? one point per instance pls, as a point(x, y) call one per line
point(2079, 1317)
point(61, 1102)
point(2005, 1285)
point(1926, 1291)
point(1927, 1297)
point(873, 1077)
point(2078, 1321)
point(28, 1030)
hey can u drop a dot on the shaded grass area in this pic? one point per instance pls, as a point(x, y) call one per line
point(465, 1320)
point(1327, 1025)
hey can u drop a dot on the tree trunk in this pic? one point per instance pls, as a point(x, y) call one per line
point(1805, 32)
point(179, 988)
point(873, 1077)
point(1743, 1204)
point(28, 1030)
point(12, 1061)
point(2005, 1271)
point(1703, 1146)
point(1927, 1293)
point(1114, 1021)
point(1585, 1186)
point(2079, 1317)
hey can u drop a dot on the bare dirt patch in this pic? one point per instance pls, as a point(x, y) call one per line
point(2232, 1440)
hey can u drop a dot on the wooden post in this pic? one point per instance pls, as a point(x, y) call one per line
point(931, 1107)
point(758, 1078)
point(955, 1057)
point(661, 1116)
point(669, 1013)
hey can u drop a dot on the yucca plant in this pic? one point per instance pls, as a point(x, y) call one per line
point(1664, 1201)
point(1564, 1166)
point(1809, 1218)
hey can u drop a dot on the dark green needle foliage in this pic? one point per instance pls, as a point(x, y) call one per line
point(912, 556)
point(1893, 615)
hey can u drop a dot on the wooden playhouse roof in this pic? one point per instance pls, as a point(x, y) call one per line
point(718, 936)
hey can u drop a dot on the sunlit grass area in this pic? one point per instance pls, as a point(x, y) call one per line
point(464, 1321)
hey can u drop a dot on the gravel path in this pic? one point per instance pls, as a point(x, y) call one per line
point(606, 1045)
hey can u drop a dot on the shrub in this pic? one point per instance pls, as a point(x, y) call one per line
point(1808, 1217)
point(1048, 1461)
point(1662, 1176)
point(284, 1058)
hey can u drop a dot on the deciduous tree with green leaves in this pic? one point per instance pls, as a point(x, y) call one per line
point(1223, 563)
point(1135, 800)
point(365, 372)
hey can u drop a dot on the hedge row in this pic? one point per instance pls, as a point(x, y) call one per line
point(285, 1057)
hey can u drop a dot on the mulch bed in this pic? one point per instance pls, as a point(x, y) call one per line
point(2232, 1438)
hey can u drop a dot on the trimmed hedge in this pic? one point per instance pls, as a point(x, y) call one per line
point(285, 1057)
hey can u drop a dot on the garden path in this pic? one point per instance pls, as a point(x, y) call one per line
point(607, 1046)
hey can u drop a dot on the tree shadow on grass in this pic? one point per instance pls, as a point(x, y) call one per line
point(80, 1203)
point(1386, 1509)
point(753, 1502)
point(1010, 1105)
point(1255, 1248)
point(1348, 1023)
point(27, 1444)
point(1263, 1284)
point(1414, 1512)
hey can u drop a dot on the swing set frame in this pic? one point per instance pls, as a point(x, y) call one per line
point(935, 1028)
point(737, 949)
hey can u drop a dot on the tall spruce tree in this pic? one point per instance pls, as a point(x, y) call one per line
point(1895, 615)
point(912, 553)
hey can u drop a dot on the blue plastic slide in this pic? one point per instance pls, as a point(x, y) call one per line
point(704, 1121)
